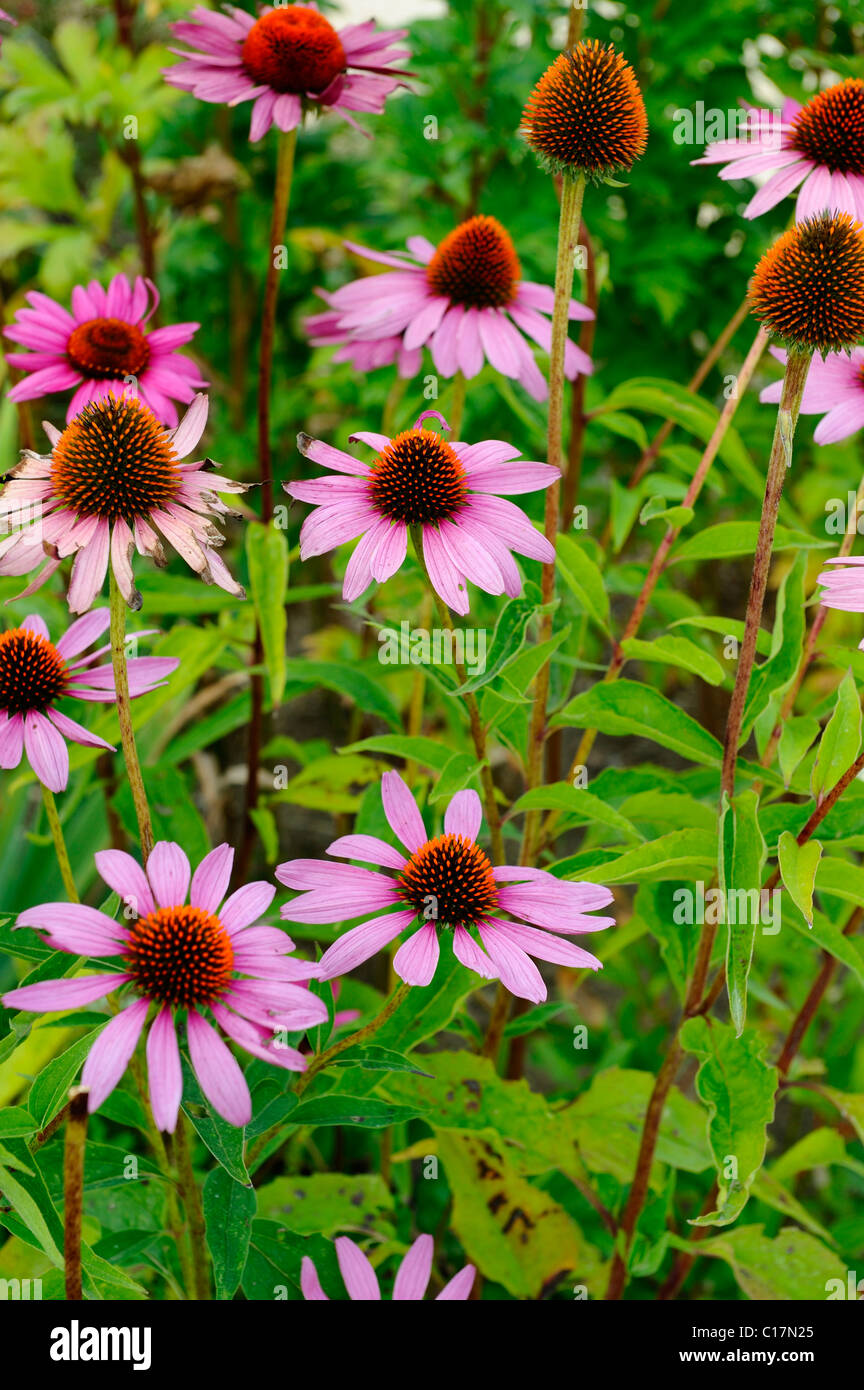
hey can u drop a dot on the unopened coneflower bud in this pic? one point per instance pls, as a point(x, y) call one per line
point(586, 114)
point(808, 288)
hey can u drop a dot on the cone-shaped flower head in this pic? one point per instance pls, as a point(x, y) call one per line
point(808, 288)
point(586, 114)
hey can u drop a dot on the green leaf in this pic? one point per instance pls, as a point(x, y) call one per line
point(267, 558)
point(773, 677)
point(796, 737)
point(348, 679)
point(461, 769)
point(507, 639)
point(229, 1210)
point(798, 865)
point(676, 651)
point(738, 1086)
point(512, 1231)
point(325, 1203)
point(792, 1266)
point(841, 742)
point(580, 806)
point(584, 579)
point(376, 1059)
point(629, 708)
point(657, 509)
point(225, 1141)
point(429, 752)
point(681, 854)
point(16, 1122)
point(729, 539)
point(606, 1121)
point(50, 1090)
point(275, 1257)
point(741, 858)
point(368, 1111)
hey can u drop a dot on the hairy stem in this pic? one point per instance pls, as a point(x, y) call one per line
point(367, 1031)
point(124, 714)
point(73, 1190)
point(59, 844)
point(194, 1212)
point(572, 193)
point(797, 367)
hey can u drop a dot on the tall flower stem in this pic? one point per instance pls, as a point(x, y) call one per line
point(73, 1191)
point(285, 151)
point(572, 193)
point(194, 1212)
point(457, 405)
point(362, 1035)
point(478, 729)
point(124, 714)
point(797, 367)
point(658, 563)
point(578, 421)
point(59, 844)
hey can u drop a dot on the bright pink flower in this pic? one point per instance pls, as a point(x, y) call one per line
point(179, 950)
point(449, 490)
point(819, 146)
point(35, 673)
point(448, 882)
point(844, 586)
point(99, 345)
point(288, 60)
point(361, 1280)
point(834, 388)
point(114, 474)
point(465, 300)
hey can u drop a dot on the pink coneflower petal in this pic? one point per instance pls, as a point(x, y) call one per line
point(467, 951)
point(110, 1054)
point(359, 943)
point(368, 848)
point(46, 751)
point(210, 880)
point(77, 928)
point(515, 969)
point(458, 1289)
point(125, 877)
point(310, 1284)
point(168, 871)
point(464, 815)
point(414, 1271)
point(245, 906)
point(417, 958)
point(11, 741)
point(52, 996)
point(218, 1072)
point(401, 811)
point(164, 1071)
point(544, 945)
point(360, 1278)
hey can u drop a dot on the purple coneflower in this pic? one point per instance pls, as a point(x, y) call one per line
point(819, 146)
point(465, 300)
point(112, 481)
point(447, 491)
point(448, 882)
point(834, 389)
point(179, 951)
point(35, 673)
point(287, 61)
point(361, 1281)
point(103, 342)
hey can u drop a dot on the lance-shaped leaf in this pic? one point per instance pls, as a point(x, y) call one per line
point(739, 872)
point(267, 557)
point(798, 865)
point(738, 1086)
point(841, 741)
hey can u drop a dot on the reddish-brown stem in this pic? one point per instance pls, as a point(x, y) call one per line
point(797, 367)
point(73, 1191)
point(573, 476)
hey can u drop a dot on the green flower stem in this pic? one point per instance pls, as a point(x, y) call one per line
point(362, 1035)
point(797, 367)
point(457, 405)
point(478, 729)
point(124, 714)
point(73, 1191)
point(59, 844)
point(572, 193)
point(194, 1212)
point(285, 151)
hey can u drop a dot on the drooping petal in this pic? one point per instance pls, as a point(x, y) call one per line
point(414, 1271)
point(164, 1072)
point(218, 1072)
point(109, 1056)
